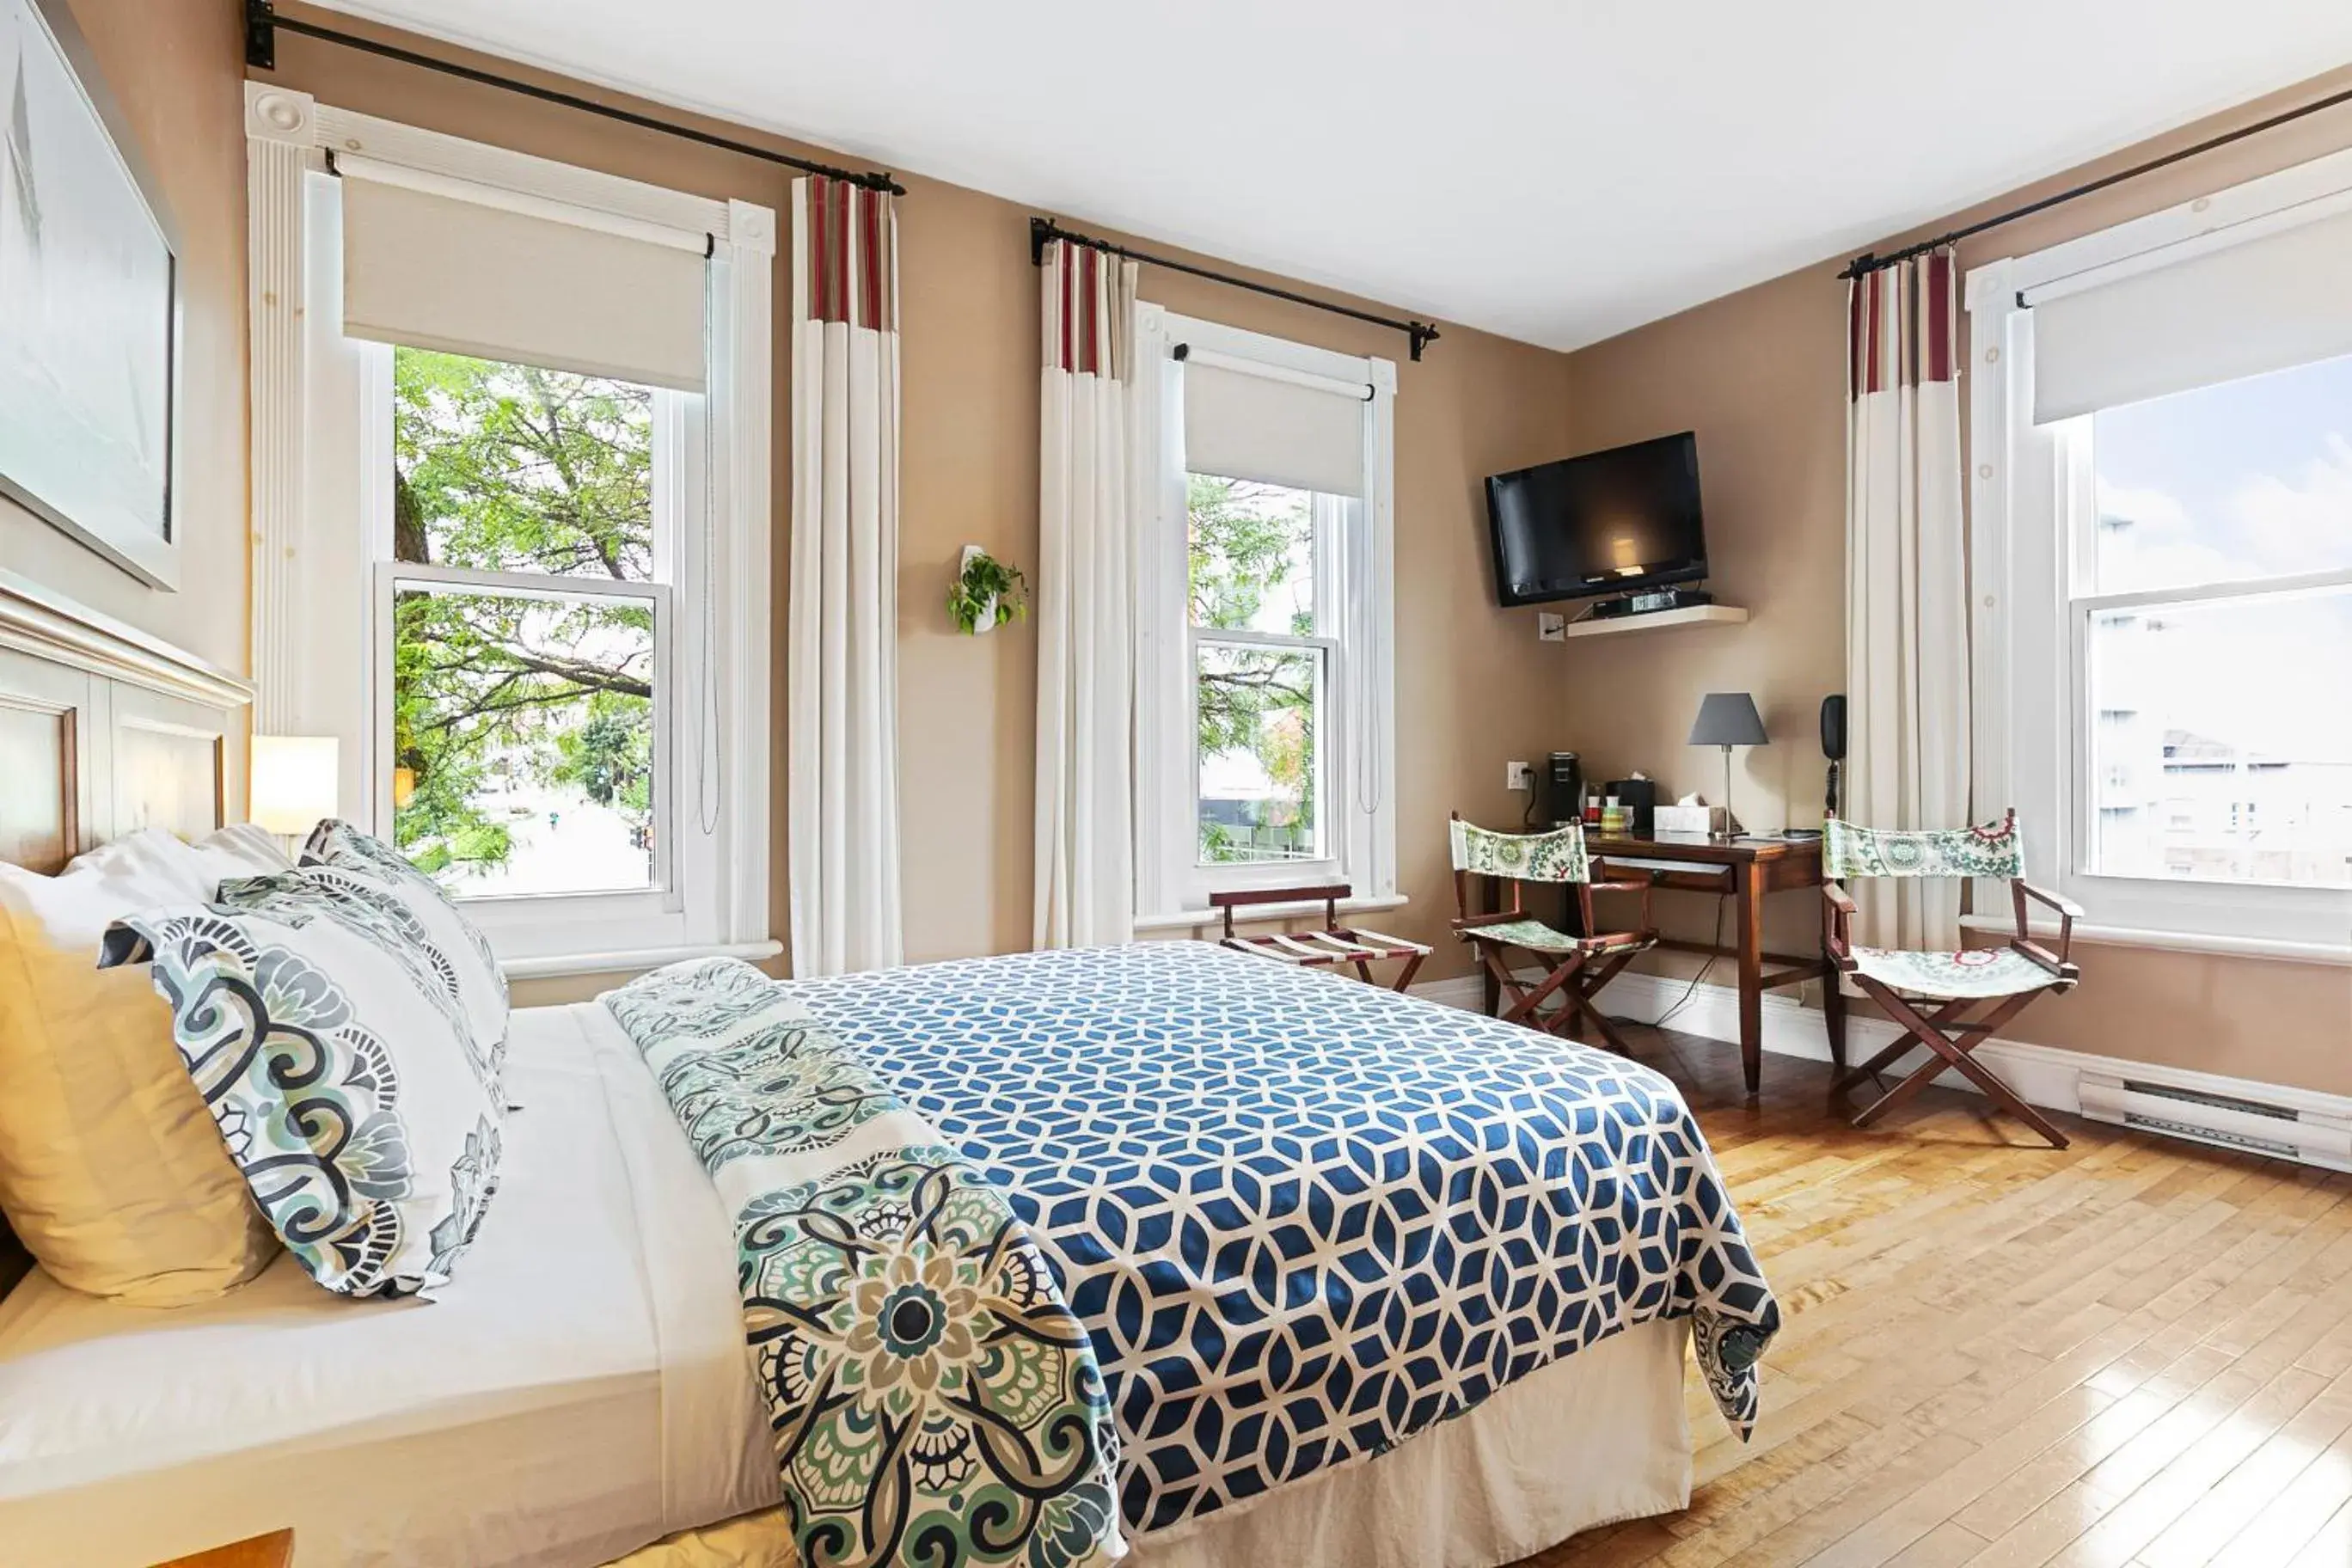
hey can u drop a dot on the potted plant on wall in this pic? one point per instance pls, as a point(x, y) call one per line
point(986, 592)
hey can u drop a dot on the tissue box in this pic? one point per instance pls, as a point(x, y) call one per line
point(1699, 820)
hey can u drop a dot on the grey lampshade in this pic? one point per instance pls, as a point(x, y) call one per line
point(1728, 718)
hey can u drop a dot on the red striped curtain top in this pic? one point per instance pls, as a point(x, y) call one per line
point(1901, 324)
point(851, 254)
point(1086, 318)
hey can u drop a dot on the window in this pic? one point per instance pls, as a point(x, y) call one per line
point(2173, 527)
point(1262, 645)
point(1264, 677)
point(528, 567)
point(2207, 514)
point(527, 585)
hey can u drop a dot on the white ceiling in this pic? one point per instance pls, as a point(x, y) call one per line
point(1556, 173)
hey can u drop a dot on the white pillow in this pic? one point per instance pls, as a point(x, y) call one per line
point(351, 1098)
point(339, 850)
point(240, 850)
point(155, 860)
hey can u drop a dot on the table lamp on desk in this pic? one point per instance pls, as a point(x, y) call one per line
point(1728, 719)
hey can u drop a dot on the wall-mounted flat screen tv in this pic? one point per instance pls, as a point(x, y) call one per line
point(1607, 522)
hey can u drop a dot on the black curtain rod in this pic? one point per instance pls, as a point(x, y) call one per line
point(262, 25)
point(1044, 231)
point(1868, 262)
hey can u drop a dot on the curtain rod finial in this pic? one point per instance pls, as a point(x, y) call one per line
point(1041, 234)
point(1423, 334)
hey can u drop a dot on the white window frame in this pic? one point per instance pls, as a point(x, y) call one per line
point(1355, 615)
point(323, 574)
point(2030, 626)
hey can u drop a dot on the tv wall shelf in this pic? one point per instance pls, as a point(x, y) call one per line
point(1696, 615)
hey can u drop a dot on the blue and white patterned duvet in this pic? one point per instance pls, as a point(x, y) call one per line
point(1303, 1218)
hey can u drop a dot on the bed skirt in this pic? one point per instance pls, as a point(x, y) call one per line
point(1599, 1437)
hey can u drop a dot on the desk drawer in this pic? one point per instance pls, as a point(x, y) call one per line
point(1681, 875)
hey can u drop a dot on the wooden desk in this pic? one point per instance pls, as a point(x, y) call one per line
point(1745, 869)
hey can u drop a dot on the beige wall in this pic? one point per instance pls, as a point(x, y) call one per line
point(175, 70)
point(1761, 376)
point(1477, 686)
point(1757, 374)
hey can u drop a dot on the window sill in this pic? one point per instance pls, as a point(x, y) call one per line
point(2174, 941)
point(1260, 914)
point(631, 961)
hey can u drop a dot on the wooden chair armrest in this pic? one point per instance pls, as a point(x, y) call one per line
point(1837, 911)
point(2042, 955)
point(1606, 941)
point(1585, 890)
point(2069, 912)
point(2065, 906)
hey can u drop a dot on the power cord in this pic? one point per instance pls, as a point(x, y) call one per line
point(1722, 902)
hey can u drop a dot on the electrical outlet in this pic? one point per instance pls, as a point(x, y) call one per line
point(1519, 776)
point(1551, 627)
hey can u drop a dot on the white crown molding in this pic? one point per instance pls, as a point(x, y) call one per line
point(752, 228)
point(279, 114)
point(49, 626)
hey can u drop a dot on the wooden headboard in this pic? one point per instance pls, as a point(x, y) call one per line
point(104, 731)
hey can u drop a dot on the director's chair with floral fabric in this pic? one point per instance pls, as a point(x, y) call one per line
point(2002, 979)
point(1577, 967)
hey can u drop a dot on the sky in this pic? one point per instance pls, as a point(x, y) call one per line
point(2249, 478)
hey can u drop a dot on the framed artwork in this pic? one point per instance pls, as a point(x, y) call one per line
point(88, 304)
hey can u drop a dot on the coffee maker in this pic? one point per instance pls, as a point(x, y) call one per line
point(1563, 788)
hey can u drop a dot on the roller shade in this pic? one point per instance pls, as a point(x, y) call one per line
point(431, 268)
point(2266, 304)
point(1243, 426)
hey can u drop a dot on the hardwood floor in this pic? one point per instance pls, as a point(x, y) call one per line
point(2136, 1352)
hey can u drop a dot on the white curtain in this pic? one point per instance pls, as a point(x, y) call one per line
point(1087, 518)
point(1906, 586)
point(842, 701)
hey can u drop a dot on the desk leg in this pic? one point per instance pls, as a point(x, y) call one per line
point(1749, 895)
point(1833, 1013)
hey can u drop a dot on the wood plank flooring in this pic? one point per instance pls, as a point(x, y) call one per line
point(2133, 1353)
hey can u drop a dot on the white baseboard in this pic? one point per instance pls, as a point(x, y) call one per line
point(2299, 1124)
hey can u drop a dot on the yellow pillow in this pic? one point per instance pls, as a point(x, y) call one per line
point(112, 1169)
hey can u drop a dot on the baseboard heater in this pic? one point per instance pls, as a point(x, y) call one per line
point(2224, 1120)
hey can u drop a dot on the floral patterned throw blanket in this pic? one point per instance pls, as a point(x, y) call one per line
point(933, 1399)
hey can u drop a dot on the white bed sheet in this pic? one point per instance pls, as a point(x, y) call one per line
point(581, 1388)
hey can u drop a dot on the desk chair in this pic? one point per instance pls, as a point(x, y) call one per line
point(2005, 979)
point(1577, 967)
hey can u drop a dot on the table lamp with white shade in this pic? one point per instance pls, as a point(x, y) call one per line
point(1728, 719)
point(294, 781)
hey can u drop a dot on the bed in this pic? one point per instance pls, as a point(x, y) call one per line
point(584, 1390)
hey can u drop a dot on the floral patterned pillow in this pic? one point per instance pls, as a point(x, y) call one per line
point(351, 1095)
point(339, 850)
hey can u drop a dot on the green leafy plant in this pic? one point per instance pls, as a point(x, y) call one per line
point(987, 589)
